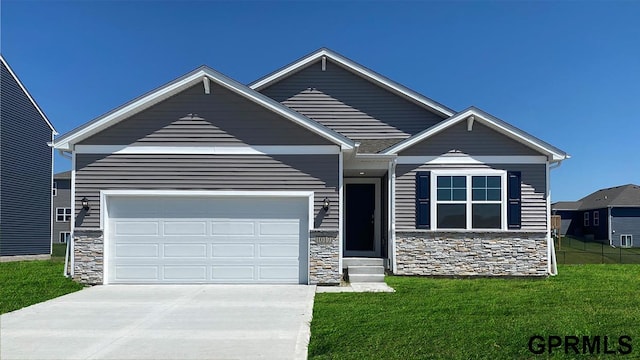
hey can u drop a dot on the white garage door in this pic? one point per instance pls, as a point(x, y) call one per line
point(207, 240)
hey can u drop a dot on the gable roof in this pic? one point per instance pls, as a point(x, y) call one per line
point(62, 175)
point(566, 205)
point(356, 68)
point(624, 195)
point(493, 123)
point(24, 90)
point(66, 141)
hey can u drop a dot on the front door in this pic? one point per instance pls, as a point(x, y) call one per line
point(361, 220)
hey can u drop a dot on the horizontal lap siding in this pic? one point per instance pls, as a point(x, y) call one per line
point(481, 141)
point(25, 168)
point(223, 118)
point(207, 172)
point(349, 104)
point(534, 215)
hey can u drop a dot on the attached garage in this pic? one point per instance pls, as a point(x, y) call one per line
point(196, 238)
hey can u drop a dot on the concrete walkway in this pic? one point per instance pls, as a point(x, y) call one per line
point(164, 322)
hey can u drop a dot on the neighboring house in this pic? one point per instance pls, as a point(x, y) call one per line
point(62, 216)
point(611, 215)
point(288, 179)
point(25, 169)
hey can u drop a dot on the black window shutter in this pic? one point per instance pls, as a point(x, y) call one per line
point(514, 205)
point(423, 213)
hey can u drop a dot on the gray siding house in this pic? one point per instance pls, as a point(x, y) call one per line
point(320, 170)
point(25, 170)
point(610, 215)
point(61, 216)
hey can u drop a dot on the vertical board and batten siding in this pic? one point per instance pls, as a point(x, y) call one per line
point(192, 117)
point(481, 141)
point(317, 173)
point(350, 104)
point(534, 205)
point(25, 168)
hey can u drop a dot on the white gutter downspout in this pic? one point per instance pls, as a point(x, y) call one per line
point(552, 266)
point(66, 251)
point(392, 214)
point(609, 225)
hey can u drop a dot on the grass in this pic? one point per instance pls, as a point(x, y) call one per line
point(573, 250)
point(24, 283)
point(483, 318)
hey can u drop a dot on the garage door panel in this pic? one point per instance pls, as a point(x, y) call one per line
point(137, 228)
point(137, 250)
point(185, 228)
point(190, 273)
point(279, 228)
point(199, 240)
point(137, 272)
point(231, 228)
point(228, 272)
point(232, 250)
point(178, 250)
point(278, 251)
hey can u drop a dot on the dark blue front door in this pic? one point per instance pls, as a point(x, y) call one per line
point(359, 222)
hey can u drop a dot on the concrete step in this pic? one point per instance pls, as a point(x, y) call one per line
point(366, 270)
point(363, 278)
point(361, 261)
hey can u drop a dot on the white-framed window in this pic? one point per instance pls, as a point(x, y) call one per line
point(596, 218)
point(63, 214)
point(586, 219)
point(64, 236)
point(626, 240)
point(469, 199)
point(54, 188)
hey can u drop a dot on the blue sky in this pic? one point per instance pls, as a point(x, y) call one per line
point(566, 72)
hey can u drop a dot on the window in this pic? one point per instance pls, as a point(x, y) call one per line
point(626, 240)
point(55, 188)
point(596, 218)
point(470, 201)
point(63, 214)
point(586, 219)
point(64, 236)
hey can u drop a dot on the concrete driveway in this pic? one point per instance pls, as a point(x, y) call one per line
point(163, 322)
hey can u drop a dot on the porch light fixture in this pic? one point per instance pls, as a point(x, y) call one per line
point(325, 204)
point(85, 203)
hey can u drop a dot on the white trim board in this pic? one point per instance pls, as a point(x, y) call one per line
point(469, 160)
point(210, 150)
point(492, 122)
point(67, 141)
point(357, 69)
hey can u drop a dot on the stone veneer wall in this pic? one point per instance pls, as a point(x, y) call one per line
point(88, 251)
point(324, 252)
point(471, 253)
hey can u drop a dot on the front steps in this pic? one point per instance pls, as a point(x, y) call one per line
point(364, 270)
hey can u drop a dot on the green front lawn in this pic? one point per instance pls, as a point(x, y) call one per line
point(25, 283)
point(484, 318)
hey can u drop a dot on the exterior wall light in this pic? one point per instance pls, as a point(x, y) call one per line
point(85, 203)
point(325, 204)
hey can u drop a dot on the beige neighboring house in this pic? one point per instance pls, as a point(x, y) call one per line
point(62, 216)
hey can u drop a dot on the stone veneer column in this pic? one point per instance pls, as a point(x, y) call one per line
point(88, 252)
point(514, 253)
point(324, 252)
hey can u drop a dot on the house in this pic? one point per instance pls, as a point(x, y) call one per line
point(26, 167)
point(61, 207)
point(318, 168)
point(610, 215)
